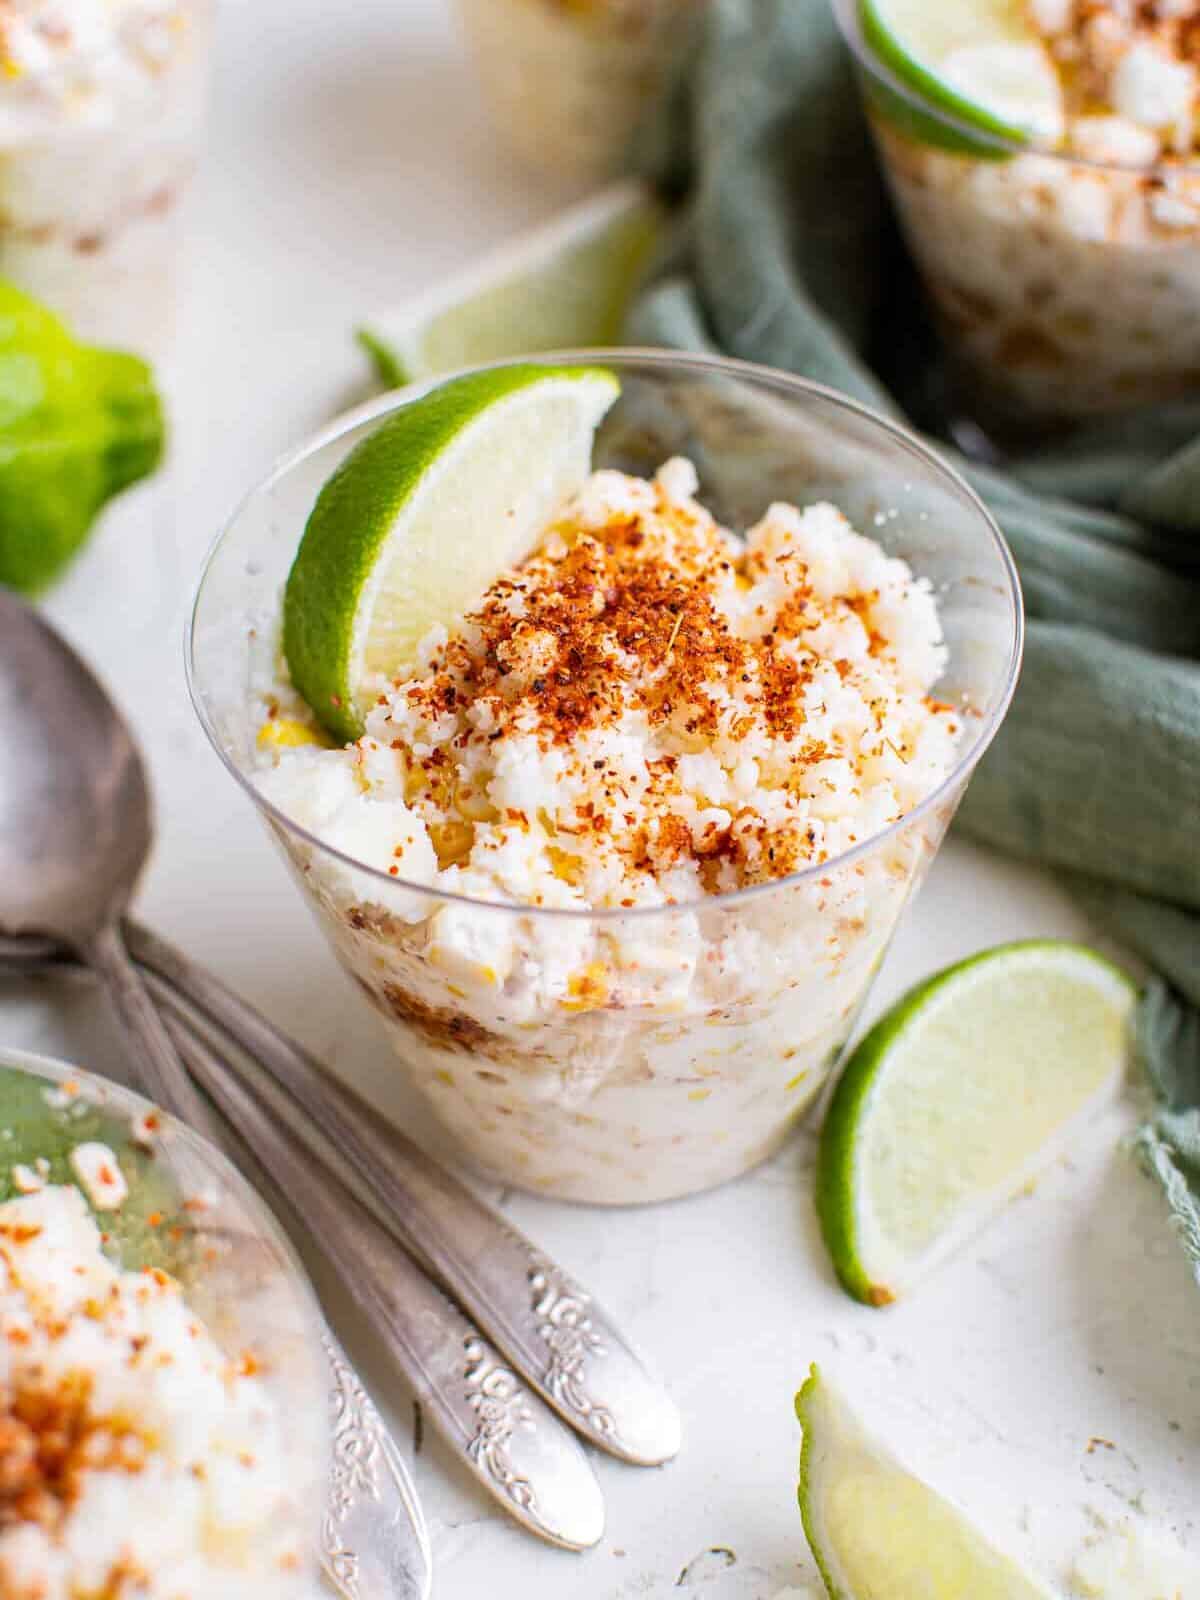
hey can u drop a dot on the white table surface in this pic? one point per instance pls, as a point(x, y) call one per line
point(350, 165)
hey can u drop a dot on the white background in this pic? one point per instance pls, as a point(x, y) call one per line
point(350, 166)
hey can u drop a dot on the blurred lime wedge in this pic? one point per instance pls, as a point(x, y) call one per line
point(423, 515)
point(877, 1532)
point(77, 426)
point(979, 61)
point(565, 286)
point(956, 1098)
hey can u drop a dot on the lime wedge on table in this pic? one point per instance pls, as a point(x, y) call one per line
point(423, 515)
point(956, 1097)
point(979, 61)
point(563, 286)
point(877, 1532)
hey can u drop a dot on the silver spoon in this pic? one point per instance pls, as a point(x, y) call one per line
point(512, 1442)
point(75, 831)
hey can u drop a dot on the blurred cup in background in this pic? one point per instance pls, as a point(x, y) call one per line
point(101, 111)
point(567, 80)
point(1064, 273)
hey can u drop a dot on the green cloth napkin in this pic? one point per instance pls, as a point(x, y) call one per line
point(787, 255)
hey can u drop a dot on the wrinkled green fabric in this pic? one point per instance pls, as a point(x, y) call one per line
point(787, 255)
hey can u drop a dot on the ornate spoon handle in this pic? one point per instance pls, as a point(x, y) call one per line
point(511, 1442)
point(470, 1392)
point(374, 1543)
point(551, 1328)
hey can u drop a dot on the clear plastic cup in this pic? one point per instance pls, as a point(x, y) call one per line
point(567, 82)
point(190, 1214)
point(623, 1096)
point(1065, 288)
point(98, 145)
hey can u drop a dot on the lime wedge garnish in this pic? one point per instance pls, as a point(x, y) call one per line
point(423, 515)
point(980, 61)
point(564, 286)
point(956, 1098)
point(877, 1532)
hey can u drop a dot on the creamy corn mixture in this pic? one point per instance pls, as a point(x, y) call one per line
point(137, 1460)
point(647, 711)
point(1128, 84)
point(72, 64)
point(1113, 81)
point(645, 717)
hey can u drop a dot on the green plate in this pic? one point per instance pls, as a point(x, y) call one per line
point(152, 1227)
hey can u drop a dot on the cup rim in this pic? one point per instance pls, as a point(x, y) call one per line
point(107, 1091)
point(760, 376)
point(847, 15)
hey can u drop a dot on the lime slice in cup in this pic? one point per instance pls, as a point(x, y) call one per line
point(879, 1533)
point(980, 62)
point(956, 1098)
point(564, 286)
point(423, 515)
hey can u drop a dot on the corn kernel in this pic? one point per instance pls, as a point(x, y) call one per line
point(589, 989)
point(289, 733)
